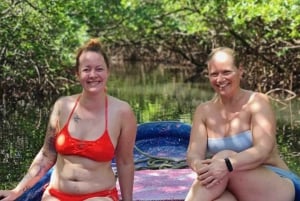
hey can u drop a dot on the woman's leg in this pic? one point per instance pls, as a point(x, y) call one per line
point(261, 184)
point(199, 192)
point(226, 196)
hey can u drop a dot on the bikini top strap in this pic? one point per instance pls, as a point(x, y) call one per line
point(106, 111)
point(76, 103)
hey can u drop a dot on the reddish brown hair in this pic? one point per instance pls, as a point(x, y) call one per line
point(93, 45)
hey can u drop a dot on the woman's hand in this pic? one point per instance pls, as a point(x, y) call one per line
point(8, 195)
point(212, 172)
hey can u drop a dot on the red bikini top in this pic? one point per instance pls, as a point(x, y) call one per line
point(101, 150)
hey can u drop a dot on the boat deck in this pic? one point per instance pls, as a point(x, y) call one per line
point(162, 185)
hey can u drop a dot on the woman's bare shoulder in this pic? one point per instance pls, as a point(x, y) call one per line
point(259, 97)
point(206, 106)
point(204, 110)
point(64, 104)
point(119, 104)
point(122, 110)
point(66, 100)
point(259, 102)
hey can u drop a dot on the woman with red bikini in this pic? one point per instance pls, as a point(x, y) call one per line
point(85, 132)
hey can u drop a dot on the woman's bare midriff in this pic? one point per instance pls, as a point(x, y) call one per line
point(77, 175)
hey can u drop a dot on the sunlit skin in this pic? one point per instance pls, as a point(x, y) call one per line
point(232, 111)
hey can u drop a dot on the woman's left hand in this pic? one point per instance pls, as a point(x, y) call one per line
point(213, 172)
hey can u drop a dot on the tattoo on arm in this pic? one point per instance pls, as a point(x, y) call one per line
point(76, 118)
point(33, 172)
point(51, 145)
point(26, 188)
point(50, 139)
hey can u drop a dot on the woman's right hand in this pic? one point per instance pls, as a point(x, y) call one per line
point(197, 165)
point(8, 195)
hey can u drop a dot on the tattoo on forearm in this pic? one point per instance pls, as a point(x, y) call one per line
point(26, 188)
point(35, 171)
point(50, 138)
point(76, 118)
point(51, 130)
point(51, 145)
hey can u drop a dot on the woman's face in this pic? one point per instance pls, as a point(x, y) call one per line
point(224, 76)
point(92, 72)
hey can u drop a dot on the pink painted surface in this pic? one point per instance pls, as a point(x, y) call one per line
point(165, 184)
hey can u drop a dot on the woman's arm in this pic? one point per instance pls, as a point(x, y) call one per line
point(42, 162)
point(124, 153)
point(198, 140)
point(263, 127)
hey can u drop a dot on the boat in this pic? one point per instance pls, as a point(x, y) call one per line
point(159, 155)
point(160, 162)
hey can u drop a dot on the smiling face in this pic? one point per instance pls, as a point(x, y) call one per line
point(92, 72)
point(224, 76)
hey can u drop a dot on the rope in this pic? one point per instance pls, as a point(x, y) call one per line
point(155, 162)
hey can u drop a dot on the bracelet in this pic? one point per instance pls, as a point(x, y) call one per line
point(228, 164)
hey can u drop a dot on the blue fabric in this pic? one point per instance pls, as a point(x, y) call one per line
point(36, 192)
point(238, 142)
point(290, 175)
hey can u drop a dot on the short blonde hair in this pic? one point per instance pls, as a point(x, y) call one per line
point(227, 50)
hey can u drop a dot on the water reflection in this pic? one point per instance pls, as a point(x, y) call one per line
point(158, 92)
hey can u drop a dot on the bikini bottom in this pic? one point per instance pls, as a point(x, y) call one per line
point(113, 194)
point(289, 175)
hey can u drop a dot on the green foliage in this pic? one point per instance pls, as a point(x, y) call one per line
point(266, 33)
point(37, 41)
point(39, 38)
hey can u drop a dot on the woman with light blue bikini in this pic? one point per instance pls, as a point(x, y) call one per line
point(233, 144)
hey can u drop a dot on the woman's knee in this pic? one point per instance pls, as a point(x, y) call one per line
point(200, 192)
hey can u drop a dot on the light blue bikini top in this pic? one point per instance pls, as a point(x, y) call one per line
point(237, 143)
